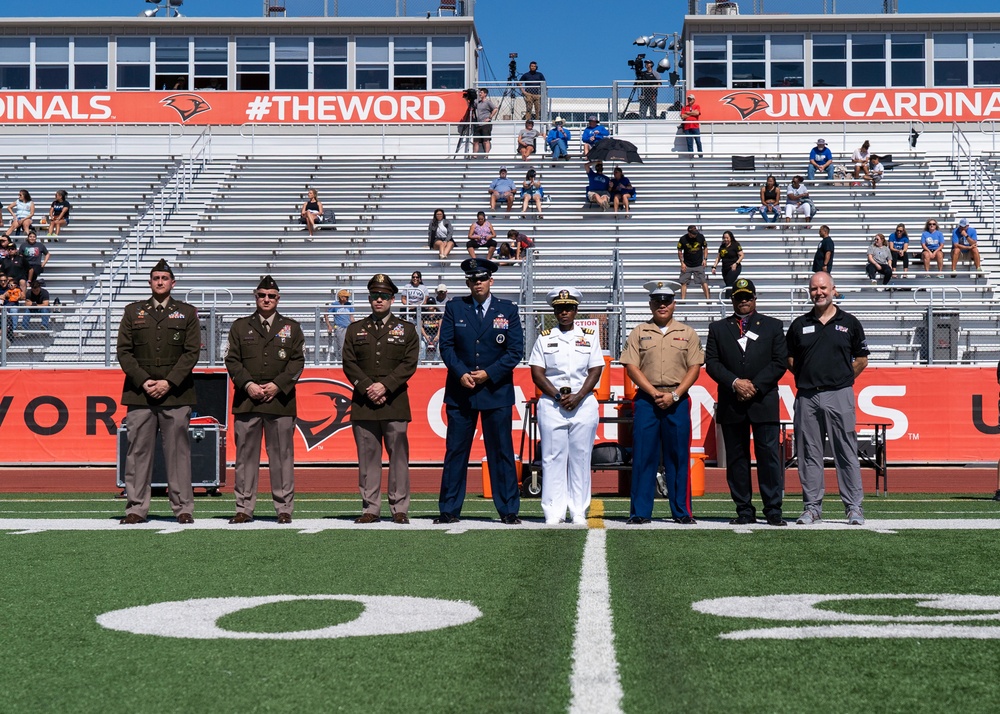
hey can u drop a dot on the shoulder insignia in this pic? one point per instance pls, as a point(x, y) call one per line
point(588, 330)
point(546, 333)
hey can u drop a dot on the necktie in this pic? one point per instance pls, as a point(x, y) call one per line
point(479, 312)
point(159, 309)
point(267, 325)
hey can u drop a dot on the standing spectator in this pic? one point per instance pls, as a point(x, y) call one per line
point(964, 242)
point(649, 81)
point(430, 333)
point(797, 201)
point(483, 111)
point(820, 159)
point(481, 235)
point(22, 212)
point(12, 297)
point(692, 252)
point(622, 190)
point(826, 352)
point(746, 355)
point(342, 312)
point(265, 361)
point(932, 246)
point(592, 134)
point(440, 234)
point(531, 88)
point(35, 254)
point(823, 259)
point(158, 392)
point(502, 188)
point(663, 357)
point(380, 356)
point(532, 191)
point(598, 186)
point(899, 243)
point(519, 243)
point(770, 195)
point(691, 125)
point(59, 214)
point(481, 343)
point(311, 211)
point(566, 364)
point(731, 257)
point(36, 302)
point(557, 139)
point(526, 140)
point(879, 260)
point(861, 159)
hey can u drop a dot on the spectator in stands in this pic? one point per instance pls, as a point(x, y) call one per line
point(592, 134)
point(622, 190)
point(875, 171)
point(797, 201)
point(13, 294)
point(430, 331)
point(532, 192)
point(440, 234)
point(964, 243)
point(502, 188)
point(526, 140)
point(861, 161)
point(731, 257)
point(770, 196)
point(932, 246)
point(483, 111)
point(531, 87)
point(59, 214)
point(558, 139)
point(649, 84)
point(690, 124)
point(311, 211)
point(440, 296)
point(342, 312)
point(519, 242)
point(414, 294)
point(22, 213)
point(879, 260)
point(820, 159)
point(15, 266)
point(598, 186)
point(692, 251)
point(482, 235)
point(35, 254)
point(899, 243)
point(823, 260)
point(38, 299)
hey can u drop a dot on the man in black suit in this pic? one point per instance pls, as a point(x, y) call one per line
point(747, 355)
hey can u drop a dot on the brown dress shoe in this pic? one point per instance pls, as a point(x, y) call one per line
point(367, 518)
point(400, 518)
point(284, 518)
point(185, 518)
point(241, 518)
point(131, 519)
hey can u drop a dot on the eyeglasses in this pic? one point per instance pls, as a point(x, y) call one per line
point(564, 308)
point(372, 297)
point(476, 280)
point(267, 296)
point(932, 223)
point(744, 298)
point(662, 299)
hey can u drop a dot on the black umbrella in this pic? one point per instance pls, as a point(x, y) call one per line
point(614, 150)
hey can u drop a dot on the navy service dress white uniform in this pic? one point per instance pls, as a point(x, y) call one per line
point(566, 363)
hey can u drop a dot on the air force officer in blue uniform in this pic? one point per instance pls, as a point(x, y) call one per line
point(481, 342)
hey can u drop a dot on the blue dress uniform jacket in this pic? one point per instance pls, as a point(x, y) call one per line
point(260, 357)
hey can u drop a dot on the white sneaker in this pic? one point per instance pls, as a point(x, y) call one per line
point(855, 518)
point(808, 518)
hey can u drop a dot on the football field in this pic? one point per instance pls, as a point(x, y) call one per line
point(326, 616)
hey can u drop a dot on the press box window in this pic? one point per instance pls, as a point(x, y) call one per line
point(447, 62)
point(15, 63)
point(829, 60)
point(985, 59)
point(330, 63)
point(172, 64)
point(868, 61)
point(787, 61)
point(90, 63)
point(291, 63)
point(253, 64)
point(132, 66)
point(951, 60)
point(748, 61)
point(372, 63)
point(211, 63)
point(907, 60)
point(710, 65)
point(52, 63)
point(409, 67)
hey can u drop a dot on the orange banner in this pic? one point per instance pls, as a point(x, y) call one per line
point(804, 105)
point(223, 108)
point(70, 416)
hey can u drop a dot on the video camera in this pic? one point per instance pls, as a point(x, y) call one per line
point(512, 67)
point(470, 95)
point(637, 66)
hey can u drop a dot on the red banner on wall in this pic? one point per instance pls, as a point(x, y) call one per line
point(70, 416)
point(804, 105)
point(231, 108)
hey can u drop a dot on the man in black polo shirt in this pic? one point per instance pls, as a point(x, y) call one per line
point(692, 251)
point(826, 351)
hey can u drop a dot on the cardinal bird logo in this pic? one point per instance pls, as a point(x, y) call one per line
point(187, 105)
point(324, 409)
point(746, 103)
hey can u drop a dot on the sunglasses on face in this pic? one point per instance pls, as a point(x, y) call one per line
point(267, 296)
point(564, 308)
point(372, 297)
point(476, 280)
point(662, 299)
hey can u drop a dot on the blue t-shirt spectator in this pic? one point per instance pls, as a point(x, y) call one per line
point(968, 239)
point(821, 157)
point(593, 134)
point(597, 182)
point(502, 185)
point(342, 314)
point(931, 240)
point(899, 240)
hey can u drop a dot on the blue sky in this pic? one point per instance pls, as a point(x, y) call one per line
point(576, 43)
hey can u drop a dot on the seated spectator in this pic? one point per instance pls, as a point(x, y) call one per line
point(878, 261)
point(532, 192)
point(622, 190)
point(482, 235)
point(964, 243)
point(36, 255)
point(526, 140)
point(861, 160)
point(37, 302)
point(22, 213)
point(15, 266)
point(440, 235)
point(440, 296)
point(558, 140)
point(797, 201)
point(502, 188)
point(932, 246)
point(731, 257)
point(58, 214)
point(770, 195)
point(875, 171)
point(519, 242)
point(311, 211)
point(598, 186)
point(899, 244)
point(414, 294)
point(592, 134)
point(820, 159)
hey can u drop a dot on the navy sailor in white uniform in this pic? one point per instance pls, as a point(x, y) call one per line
point(566, 363)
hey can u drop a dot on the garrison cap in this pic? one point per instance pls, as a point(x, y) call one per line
point(479, 268)
point(564, 296)
point(267, 283)
point(382, 283)
point(744, 286)
point(162, 266)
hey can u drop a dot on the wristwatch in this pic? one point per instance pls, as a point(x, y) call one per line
point(673, 395)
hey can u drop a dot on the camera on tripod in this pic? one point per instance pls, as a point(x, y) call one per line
point(512, 66)
point(637, 66)
point(470, 95)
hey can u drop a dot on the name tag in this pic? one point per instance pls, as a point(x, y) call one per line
point(743, 343)
point(809, 330)
point(752, 335)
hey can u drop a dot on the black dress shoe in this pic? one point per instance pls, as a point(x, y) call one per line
point(637, 521)
point(132, 519)
point(400, 518)
point(185, 519)
point(742, 520)
point(686, 520)
point(511, 519)
point(241, 518)
point(284, 518)
point(367, 518)
point(776, 521)
point(445, 518)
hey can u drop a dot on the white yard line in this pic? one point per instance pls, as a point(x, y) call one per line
point(594, 684)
